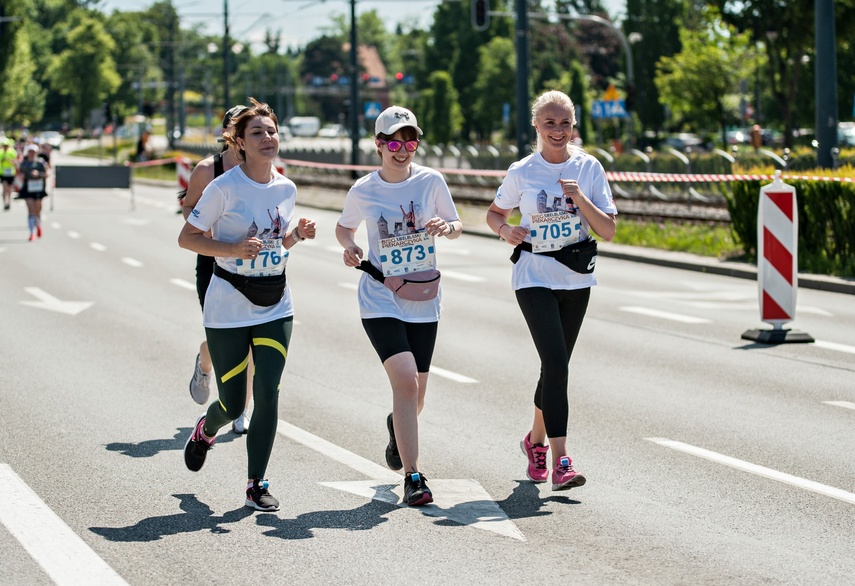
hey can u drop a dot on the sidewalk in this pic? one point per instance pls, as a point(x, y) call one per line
point(474, 222)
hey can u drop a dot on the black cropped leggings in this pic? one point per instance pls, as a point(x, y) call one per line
point(230, 348)
point(554, 318)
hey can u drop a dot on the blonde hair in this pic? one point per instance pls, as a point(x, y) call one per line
point(557, 98)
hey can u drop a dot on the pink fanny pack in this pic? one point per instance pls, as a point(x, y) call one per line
point(420, 286)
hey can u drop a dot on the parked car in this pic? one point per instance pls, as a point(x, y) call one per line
point(685, 140)
point(333, 131)
point(52, 137)
point(846, 134)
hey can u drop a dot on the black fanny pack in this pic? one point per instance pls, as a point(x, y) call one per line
point(580, 257)
point(262, 291)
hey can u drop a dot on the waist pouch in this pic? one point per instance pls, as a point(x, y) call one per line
point(580, 257)
point(262, 291)
point(420, 286)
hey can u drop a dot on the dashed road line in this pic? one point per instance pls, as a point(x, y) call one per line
point(132, 262)
point(834, 346)
point(183, 284)
point(451, 375)
point(844, 404)
point(686, 319)
point(463, 276)
point(796, 481)
point(61, 553)
point(97, 246)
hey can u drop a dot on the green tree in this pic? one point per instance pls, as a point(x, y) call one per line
point(492, 86)
point(85, 71)
point(439, 109)
point(657, 24)
point(136, 64)
point(696, 82)
point(21, 97)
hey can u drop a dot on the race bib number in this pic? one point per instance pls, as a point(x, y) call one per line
point(410, 253)
point(8, 172)
point(35, 185)
point(554, 230)
point(271, 260)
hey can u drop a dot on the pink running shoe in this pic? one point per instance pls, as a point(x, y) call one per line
point(536, 454)
point(564, 477)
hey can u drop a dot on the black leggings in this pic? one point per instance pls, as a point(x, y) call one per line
point(229, 349)
point(391, 336)
point(554, 318)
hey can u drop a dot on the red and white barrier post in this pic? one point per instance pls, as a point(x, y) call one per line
point(183, 168)
point(777, 263)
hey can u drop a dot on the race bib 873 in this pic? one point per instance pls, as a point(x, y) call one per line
point(409, 253)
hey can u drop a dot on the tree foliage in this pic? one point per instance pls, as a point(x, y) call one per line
point(86, 70)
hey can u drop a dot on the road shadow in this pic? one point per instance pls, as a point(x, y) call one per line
point(149, 448)
point(362, 518)
point(525, 501)
point(197, 516)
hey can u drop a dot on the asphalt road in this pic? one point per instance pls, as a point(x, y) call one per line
point(710, 460)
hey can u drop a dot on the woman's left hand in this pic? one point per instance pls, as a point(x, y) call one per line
point(571, 190)
point(438, 227)
point(307, 228)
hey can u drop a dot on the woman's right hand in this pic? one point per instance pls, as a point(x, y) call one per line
point(248, 248)
point(352, 256)
point(513, 235)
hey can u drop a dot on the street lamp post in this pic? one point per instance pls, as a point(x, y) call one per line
point(226, 51)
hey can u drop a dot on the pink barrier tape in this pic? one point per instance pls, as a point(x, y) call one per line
point(610, 175)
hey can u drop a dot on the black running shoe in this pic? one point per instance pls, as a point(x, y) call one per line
point(258, 498)
point(416, 491)
point(393, 458)
point(196, 448)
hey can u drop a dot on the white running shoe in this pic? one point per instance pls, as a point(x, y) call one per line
point(200, 384)
point(241, 424)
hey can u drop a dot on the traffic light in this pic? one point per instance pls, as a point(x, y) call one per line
point(480, 15)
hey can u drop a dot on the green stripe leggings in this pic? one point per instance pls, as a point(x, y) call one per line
point(228, 346)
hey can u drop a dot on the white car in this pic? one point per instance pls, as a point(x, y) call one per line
point(333, 131)
point(52, 137)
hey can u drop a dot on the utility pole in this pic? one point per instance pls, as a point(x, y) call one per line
point(354, 91)
point(825, 87)
point(523, 117)
point(226, 52)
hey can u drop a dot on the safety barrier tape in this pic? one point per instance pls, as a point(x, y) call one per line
point(627, 176)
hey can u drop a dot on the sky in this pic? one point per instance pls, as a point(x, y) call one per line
point(299, 21)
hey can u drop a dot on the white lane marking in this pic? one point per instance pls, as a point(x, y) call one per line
point(351, 286)
point(454, 250)
point(337, 249)
point(811, 485)
point(686, 319)
point(97, 246)
point(51, 303)
point(183, 284)
point(462, 501)
point(463, 276)
point(132, 262)
point(74, 235)
point(55, 225)
point(844, 404)
point(62, 554)
point(339, 454)
point(451, 375)
point(135, 221)
point(834, 346)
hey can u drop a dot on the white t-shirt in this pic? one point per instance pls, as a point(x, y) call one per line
point(234, 207)
point(395, 209)
point(532, 185)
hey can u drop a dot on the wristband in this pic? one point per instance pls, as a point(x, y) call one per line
point(296, 234)
point(500, 230)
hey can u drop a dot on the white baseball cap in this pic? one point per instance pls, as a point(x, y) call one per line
point(394, 118)
point(32, 148)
